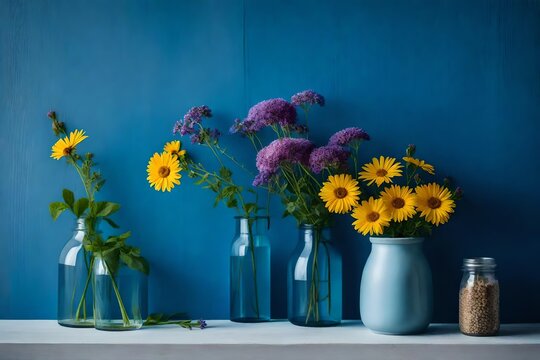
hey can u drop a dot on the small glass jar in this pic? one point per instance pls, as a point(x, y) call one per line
point(479, 298)
point(120, 297)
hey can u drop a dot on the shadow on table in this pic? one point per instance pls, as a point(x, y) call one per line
point(519, 331)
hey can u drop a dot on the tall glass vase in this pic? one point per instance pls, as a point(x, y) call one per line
point(314, 280)
point(250, 270)
point(75, 295)
point(120, 298)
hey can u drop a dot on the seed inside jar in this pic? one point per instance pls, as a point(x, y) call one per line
point(479, 308)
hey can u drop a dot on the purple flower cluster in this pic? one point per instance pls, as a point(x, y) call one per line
point(307, 98)
point(192, 118)
point(191, 125)
point(244, 127)
point(346, 136)
point(290, 150)
point(266, 113)
point(328, 157)
point(271, 112)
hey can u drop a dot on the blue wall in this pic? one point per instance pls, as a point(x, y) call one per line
point(460, 79)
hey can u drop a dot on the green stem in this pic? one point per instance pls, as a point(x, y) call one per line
point(329, 277)
point(125, 316)
point(83, 296)
point(233, 159)
point(253, 267)
point(313, 289)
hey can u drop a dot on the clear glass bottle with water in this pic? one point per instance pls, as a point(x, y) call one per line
point(314, 280)
point(250, 270)
point(120, 296)
point(75, 293)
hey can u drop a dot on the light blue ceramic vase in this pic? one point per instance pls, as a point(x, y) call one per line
point(396, 294)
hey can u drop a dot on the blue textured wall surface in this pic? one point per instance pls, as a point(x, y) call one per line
point(460, 79)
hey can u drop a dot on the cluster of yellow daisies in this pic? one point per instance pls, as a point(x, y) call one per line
point(341, 194)
point(164, 169)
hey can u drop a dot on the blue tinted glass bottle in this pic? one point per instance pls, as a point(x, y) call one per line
point(120, 296)
point(75, 293)
point(250, 271)
point(314, 280)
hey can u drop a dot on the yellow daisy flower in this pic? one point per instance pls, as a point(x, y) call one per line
point(173, 148)
point(434, 203)
point(421, 164)
point(400, 201)
point(64, 147)
point(380, 170)
point(340, 193)
point(371, 217)
point(163, 171)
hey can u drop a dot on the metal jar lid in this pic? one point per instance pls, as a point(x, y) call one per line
point(479, 263)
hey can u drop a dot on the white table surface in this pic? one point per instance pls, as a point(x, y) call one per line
point(45, 339)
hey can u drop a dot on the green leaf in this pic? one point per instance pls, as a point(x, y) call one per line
point(111, 223)
point(135, 262)
point(202, 179)
point(69, 198)
point(80, 207)
point(112, 260)
point(225, 173)
point(105, 208)
point(124, 235)
point(291, 207)
point(56, 208)
point(232, 203)
point(161, 318)
point(250, 208)
point(100, 184)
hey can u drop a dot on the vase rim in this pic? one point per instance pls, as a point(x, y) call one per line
point(258, 217)
point(396, 240)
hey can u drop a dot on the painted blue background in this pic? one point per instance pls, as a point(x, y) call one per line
point(460, 79)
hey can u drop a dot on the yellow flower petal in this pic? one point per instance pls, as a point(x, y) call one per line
point(163, 171)
point(340, 193)
point(380, 170)
point(434, 202)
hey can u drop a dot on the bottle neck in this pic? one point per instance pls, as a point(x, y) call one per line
point(80, 229)
point(309, 233)
point(252, 225)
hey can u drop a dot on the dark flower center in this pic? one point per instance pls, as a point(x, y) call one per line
point(340, 192)
point(434, 203)
point(164, 171)
point(398, 203)
point(381, 172)
point(67, 151)
point(373, 216)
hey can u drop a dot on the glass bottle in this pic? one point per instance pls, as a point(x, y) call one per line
point(75, 295)
point(314, 280)
point(120, 296)
point(479, 298)
point(250, 270)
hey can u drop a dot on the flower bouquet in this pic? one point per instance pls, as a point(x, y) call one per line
point(88, 249)
point(293, 168)
point(400, 216)
point(250, 255)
